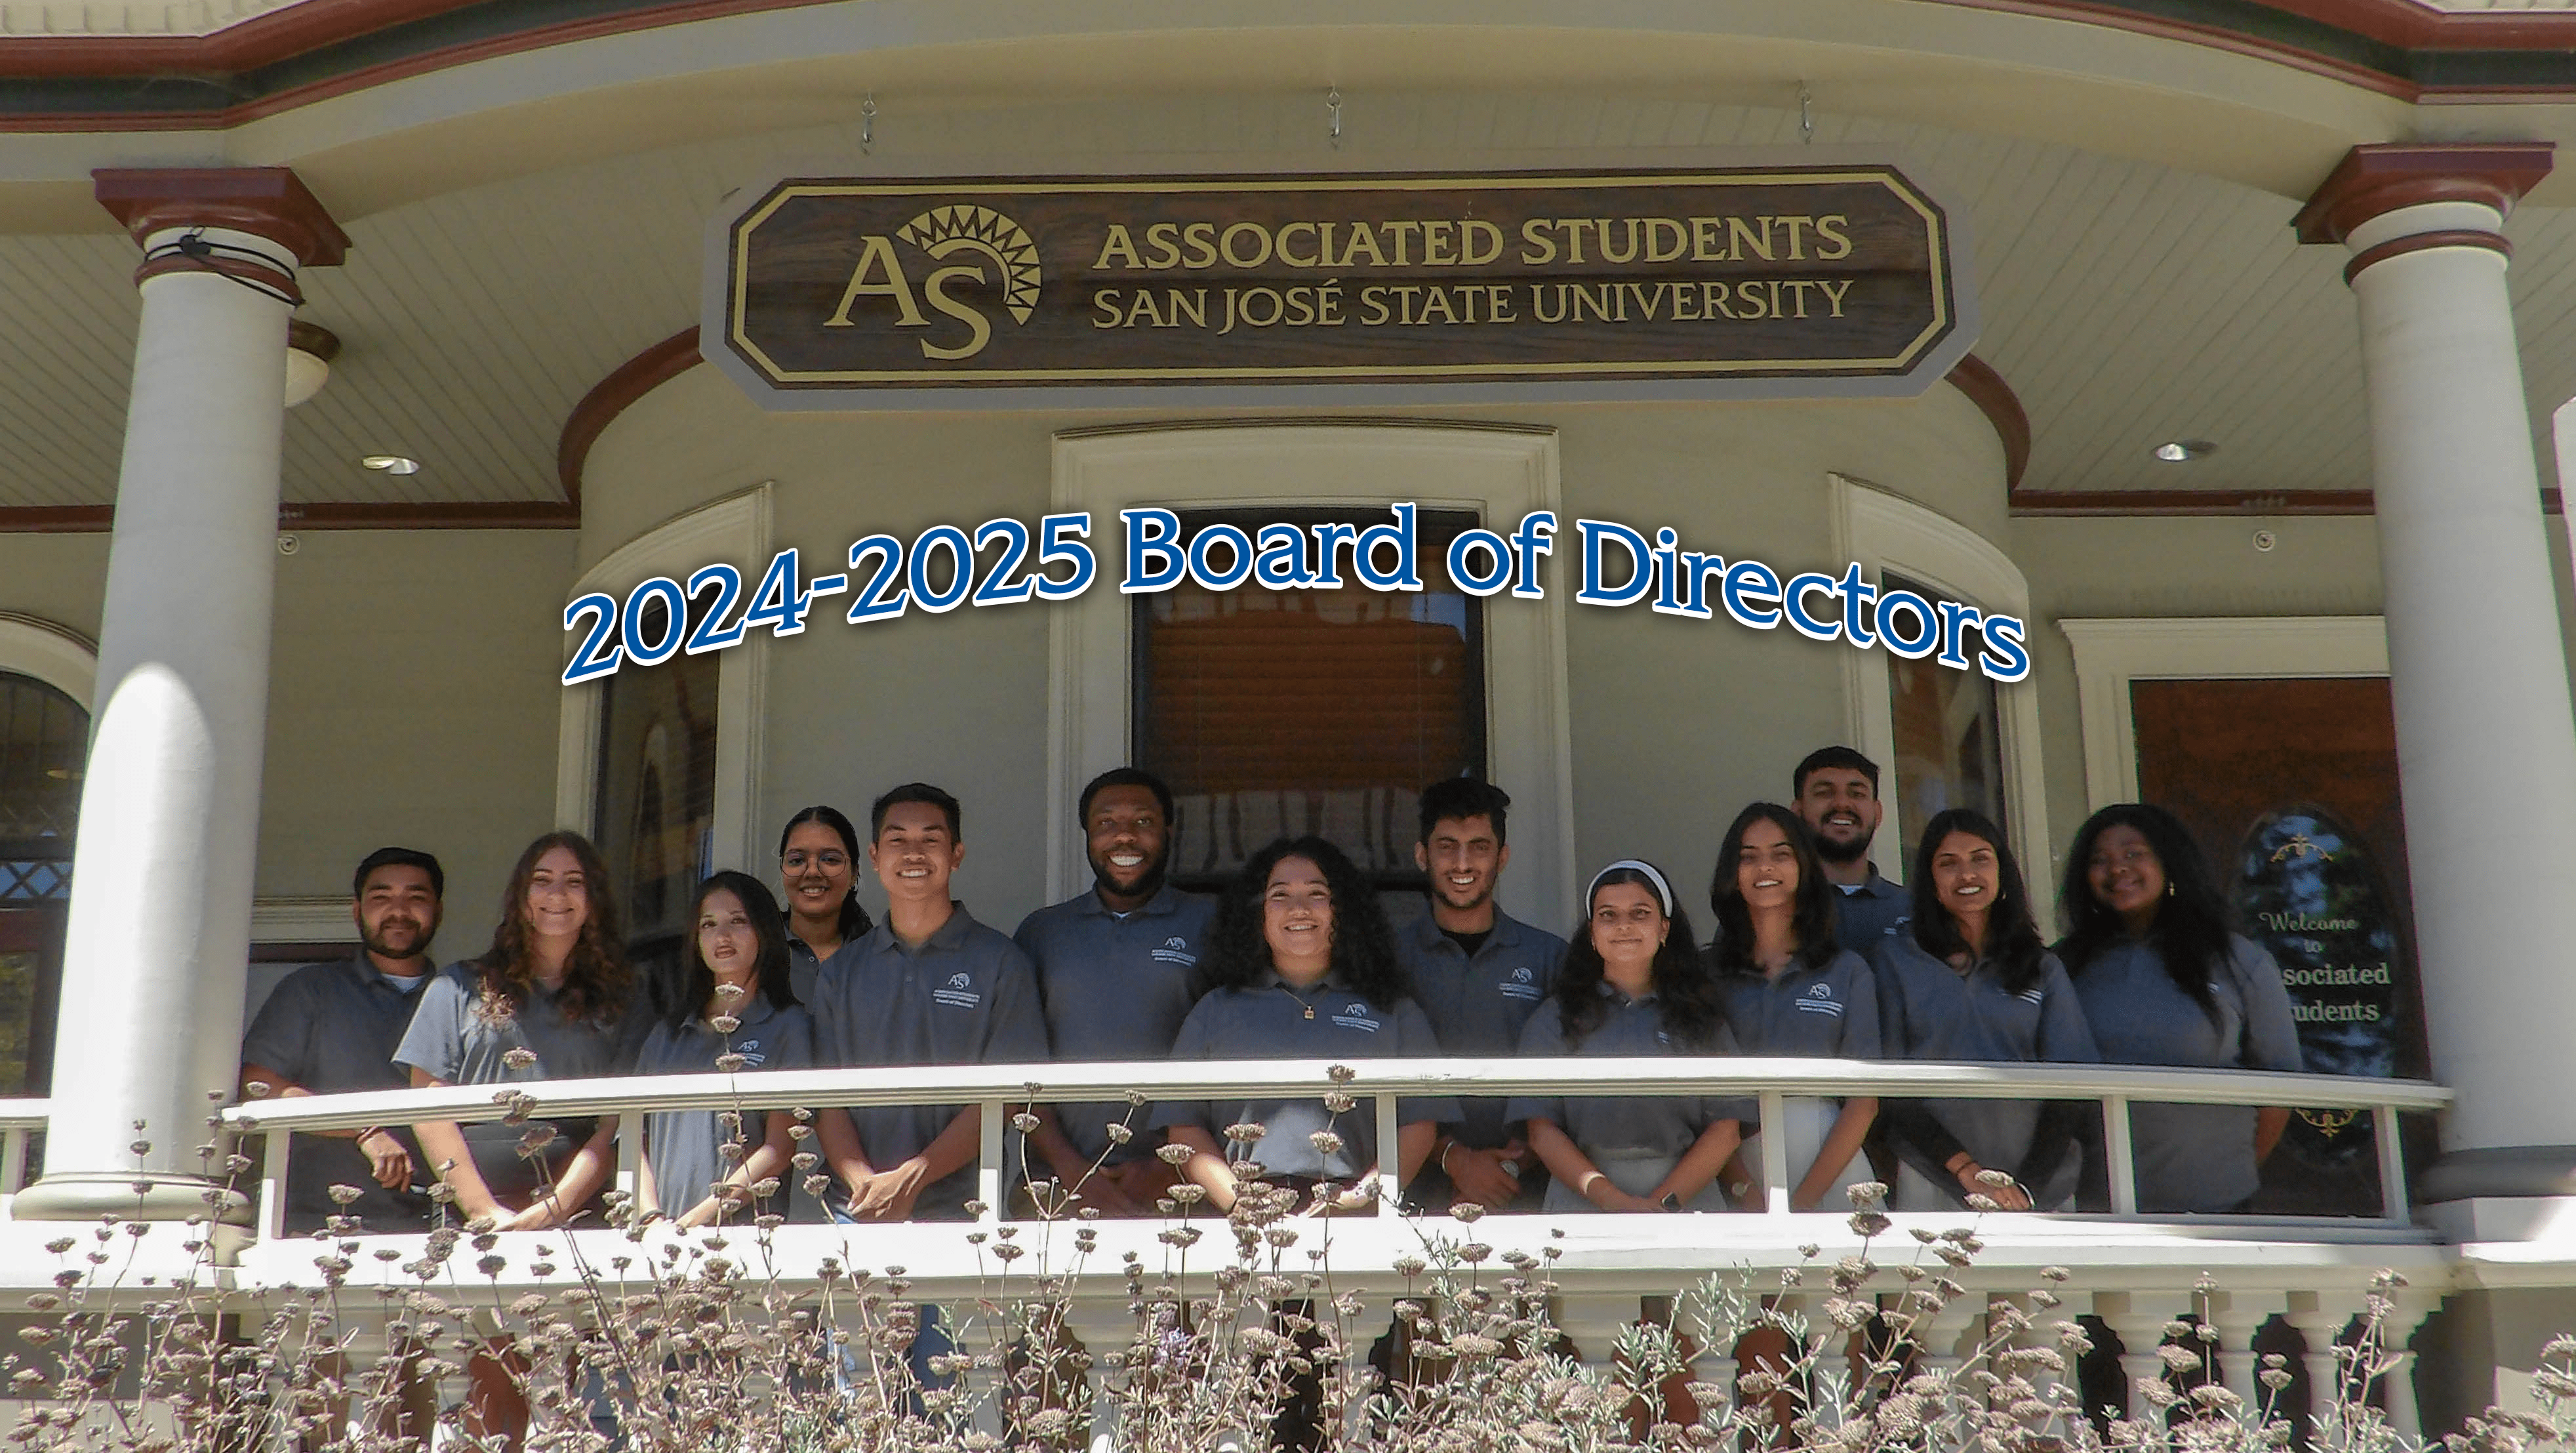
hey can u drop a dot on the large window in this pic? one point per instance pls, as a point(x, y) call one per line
point(1278, 713)
point(654, 806)
point(1948, 734)
point(44, 735)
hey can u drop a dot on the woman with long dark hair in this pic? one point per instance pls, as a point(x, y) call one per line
point(1967, 979)
point(2164, 982)
point(818, 861)
point(1792, 991)
point(1632, 983)
point(1304, 967)
point(737, 1012)
point(549, 1000)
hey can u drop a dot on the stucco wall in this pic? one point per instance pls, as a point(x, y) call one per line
point(411, 698)
point(1675, 723)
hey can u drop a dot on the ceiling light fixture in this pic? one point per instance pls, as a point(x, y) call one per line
point(310, 347)
point(390, 464)
point(2184, 451)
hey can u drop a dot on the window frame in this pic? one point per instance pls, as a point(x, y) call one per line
point(1885, 533)
point(1498, 472)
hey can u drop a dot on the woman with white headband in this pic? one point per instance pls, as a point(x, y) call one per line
point(1632, 984)
point(1792, 991)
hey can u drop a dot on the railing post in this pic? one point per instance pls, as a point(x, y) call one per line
point(2392, 1166)
point(630, 1155)
point(13, 1167)
point(1390, 1160)
point(2119, 1155)
point(272, 1187)
point(1775, 1152)
point(990, 1116)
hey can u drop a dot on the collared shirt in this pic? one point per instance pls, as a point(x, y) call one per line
point(683, 1145)
point(1479, 1004)
point(1929, 1010)
point(1625, 1125)
point(451, 1039)
point(804, 966)
point(332, 1027)
point(1269, 1021)
point(1116, 986)
point(2191, 1157)
point(966, 995)
point(1868, 911)
point(1818, 1013)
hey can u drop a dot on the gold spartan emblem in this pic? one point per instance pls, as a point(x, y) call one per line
point(946, 231)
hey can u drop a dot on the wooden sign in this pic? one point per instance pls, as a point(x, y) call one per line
point(1709, 282)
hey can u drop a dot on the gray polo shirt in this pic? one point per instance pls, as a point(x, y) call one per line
point(683, 1144)
point(453, 1042)
point(2191, 1157)
point(1478, 1006)
point(1929, 1010)
point(1269, 1021)
point(1826, 1013)
point(1866, 913)
point(966, 996)
point(332, 1027)
point(1624, 1125)
point(1116, 986)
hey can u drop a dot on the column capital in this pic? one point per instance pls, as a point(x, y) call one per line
point(269, 201)
point(2380, 177)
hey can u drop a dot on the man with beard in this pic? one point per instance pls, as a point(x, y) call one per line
point(1836, 792)
point(333, 1027)
point(1118, 969)
point(1478, 973)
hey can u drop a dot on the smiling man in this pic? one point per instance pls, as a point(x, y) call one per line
point(1478, 973)
point(1118, 968)
point(1836, 792)
point(928, 986)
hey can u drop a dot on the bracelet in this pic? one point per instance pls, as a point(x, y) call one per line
point(1446, 1146)
point(361, 1136)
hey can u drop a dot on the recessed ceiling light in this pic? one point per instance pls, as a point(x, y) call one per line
point(390, 464)
point(2183, 451)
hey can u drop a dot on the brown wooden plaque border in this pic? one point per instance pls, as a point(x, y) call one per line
point(838, 292)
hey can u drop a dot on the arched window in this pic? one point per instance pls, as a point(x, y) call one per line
point(44, 736)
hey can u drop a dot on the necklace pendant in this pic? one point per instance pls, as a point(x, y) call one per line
point(1310, 1011)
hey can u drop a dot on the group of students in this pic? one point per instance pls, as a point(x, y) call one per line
point(1812, 954)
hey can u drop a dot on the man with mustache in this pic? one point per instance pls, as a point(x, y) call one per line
point(333, 1027)
point(1478, 973)
point(1118, 969)
point(1836, 792)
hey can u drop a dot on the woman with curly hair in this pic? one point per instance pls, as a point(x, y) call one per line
point(1632, 983)
point(1304, 967)
point(2164, 982)
point(1792, 991)
point(548, 1000)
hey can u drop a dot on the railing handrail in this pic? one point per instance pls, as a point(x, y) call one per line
point(1264, 1079)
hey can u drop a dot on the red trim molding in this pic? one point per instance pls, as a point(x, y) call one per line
point(2116, 503)
point(2381, 177)
point(599, 408)
point(1987, 390)
point(2423, 242)
point(268, 201)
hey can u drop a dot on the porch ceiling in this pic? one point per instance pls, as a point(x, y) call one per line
point(2127, 303)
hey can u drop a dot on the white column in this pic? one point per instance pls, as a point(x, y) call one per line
point(2486, 742)
point(156, 951)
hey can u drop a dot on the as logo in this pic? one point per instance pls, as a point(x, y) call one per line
point(960, 981)
point(996, 251)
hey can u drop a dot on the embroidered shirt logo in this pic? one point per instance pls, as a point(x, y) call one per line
point(958, 992)
point(1819, 999)
point(751, 1054)
point(1355, 1015)
point(1521, 985)
point(1175, 950)
point(2032, 995)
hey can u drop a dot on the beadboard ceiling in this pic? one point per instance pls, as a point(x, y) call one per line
point(2126, 303)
